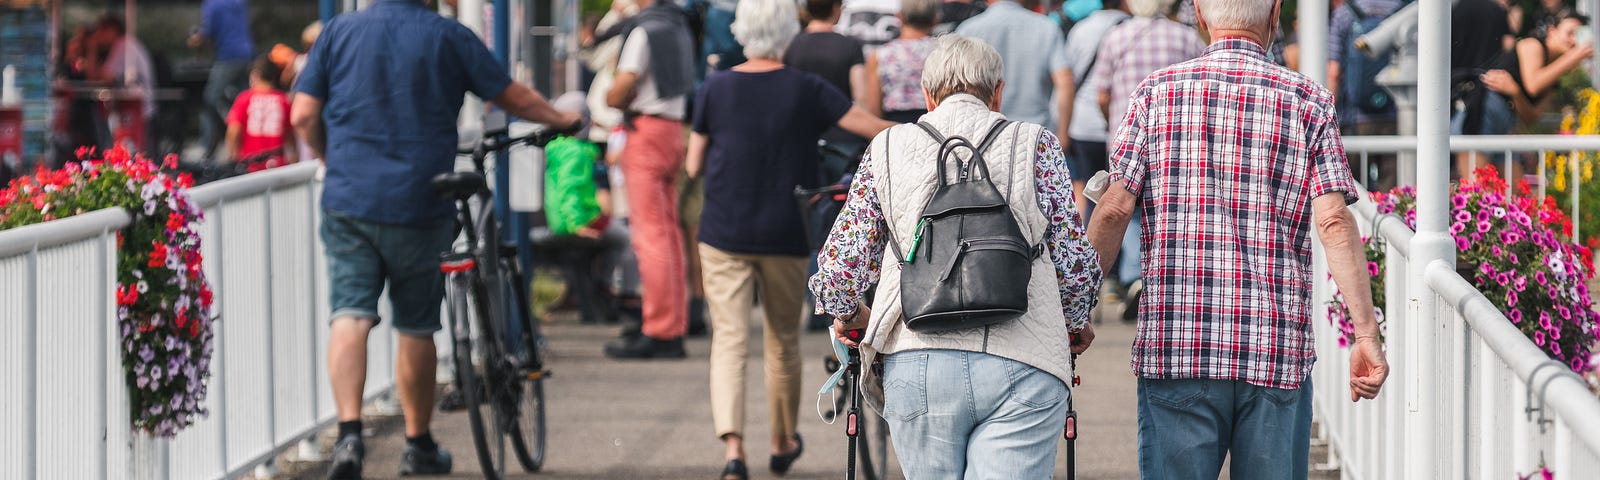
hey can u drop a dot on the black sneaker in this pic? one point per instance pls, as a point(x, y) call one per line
point(697, 317)
point(643, 347)
point(416, 461)
point(347, 455)
point(1130, 303)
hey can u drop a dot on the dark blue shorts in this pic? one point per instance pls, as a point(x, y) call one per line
point(1085, 159)
point(363, 256)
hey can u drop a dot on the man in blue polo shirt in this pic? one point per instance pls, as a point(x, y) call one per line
point(226, 24)
point(378, 102)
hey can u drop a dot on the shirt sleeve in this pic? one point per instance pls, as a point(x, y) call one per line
point(853, 255)
point(486, 78)
point(239, 112)
point(1077, 265)
point(701, 123)
point(1058, 51)
point(1331, 169)
point(208, 23)
point(1128, 149)
point(635, 56)
point(1339, 32)
point(832, 104)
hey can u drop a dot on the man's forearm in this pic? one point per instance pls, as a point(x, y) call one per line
point(529, 105)
point(315, 136)
point(1109, 223)
point(1347, 262)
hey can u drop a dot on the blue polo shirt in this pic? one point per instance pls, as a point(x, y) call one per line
point(392, 78)
point(227, 24)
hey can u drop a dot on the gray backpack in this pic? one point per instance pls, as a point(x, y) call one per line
point(969, 264)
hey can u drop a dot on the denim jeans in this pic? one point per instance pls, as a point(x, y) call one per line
point(1187, 426)
point(363, 256)
point(1128, 262)
point(971, 415)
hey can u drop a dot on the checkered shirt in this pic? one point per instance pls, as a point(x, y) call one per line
point(1226, 152)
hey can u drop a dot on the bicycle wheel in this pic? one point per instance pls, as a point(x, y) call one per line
point(467, 302)
point(528, 431)
point(873, 446)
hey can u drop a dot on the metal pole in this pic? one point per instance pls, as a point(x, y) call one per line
point(326, 9)
point(1313, 27)
point(1431, 242)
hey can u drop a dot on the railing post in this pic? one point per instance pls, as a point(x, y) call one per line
point(1432, 242)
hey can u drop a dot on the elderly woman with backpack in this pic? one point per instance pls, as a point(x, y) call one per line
point(755, 132)
point(985, 291)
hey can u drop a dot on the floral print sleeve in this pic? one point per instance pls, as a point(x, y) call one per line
point(1077, 265)
point(850, 260)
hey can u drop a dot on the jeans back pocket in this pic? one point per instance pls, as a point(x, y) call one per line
point(905, 385)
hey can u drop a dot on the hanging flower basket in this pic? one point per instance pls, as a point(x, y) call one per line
point(162, 297)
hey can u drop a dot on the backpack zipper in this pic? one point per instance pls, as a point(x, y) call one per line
point(922, 226)
point(988, 243)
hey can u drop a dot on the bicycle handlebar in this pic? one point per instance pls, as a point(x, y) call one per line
point(493, 142)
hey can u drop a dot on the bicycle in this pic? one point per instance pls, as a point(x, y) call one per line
point(873, 447)
point(509, 374)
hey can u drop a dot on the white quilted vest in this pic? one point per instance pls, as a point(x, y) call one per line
point(904, 164)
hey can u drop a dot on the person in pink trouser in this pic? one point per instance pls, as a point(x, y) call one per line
point(655, 74)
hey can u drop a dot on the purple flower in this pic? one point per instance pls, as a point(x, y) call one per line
point(142, 381)
point(146, 354)
point(1483, 226)
point(1564, 312)
point(1461, 215)
point(1514, 261)
point(1538, 277)
point(1538, 338)
point(1457, 228)
point(1502, 278)
point(1486, 268)
point(1511, 298)
point(1462, 244)
point(1372, 268)
point(1577, 364)
point(1483, 215)
point(1515, 315)
point(1544, 320)
point(1460, 202)
point(1498, 252)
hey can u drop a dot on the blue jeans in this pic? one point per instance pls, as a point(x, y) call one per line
point(958, 414)
point(228, 78)
point(1187, 426)
point(1128, 262)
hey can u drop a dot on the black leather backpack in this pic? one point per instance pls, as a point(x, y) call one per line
point(969, 264)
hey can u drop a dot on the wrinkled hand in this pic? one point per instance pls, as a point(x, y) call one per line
point(858, 322)
point(1368, 368)
point(1501, 82)
point(1082, 338)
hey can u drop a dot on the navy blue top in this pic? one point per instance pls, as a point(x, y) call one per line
point(763, 129)
point(392, 78)
point(227, 24)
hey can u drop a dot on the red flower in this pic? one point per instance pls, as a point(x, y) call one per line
point(194, 329)
point(175, 222)
point(158, 254)
point(171, 162)
point(127, 295)
point(185, 180)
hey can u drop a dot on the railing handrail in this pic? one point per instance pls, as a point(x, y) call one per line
point(1554, 384)
point(259, 182)
point(16, 241)
point(1388, 226)
point(1472, 143)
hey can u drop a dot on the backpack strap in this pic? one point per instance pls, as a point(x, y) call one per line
point(885, 200)
point(988, 139)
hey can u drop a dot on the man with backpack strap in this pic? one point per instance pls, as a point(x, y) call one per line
point(1365, 108)
point(974, 377)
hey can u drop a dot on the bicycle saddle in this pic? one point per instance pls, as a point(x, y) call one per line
point(459, 185)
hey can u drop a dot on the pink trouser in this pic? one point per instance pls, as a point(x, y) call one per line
point(651, 161)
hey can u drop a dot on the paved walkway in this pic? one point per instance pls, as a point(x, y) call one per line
point(651, 420)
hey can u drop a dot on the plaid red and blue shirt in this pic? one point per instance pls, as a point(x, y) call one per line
point(1226, 152)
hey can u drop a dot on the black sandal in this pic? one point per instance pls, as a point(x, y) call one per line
point(780, 463)
point(735, 471)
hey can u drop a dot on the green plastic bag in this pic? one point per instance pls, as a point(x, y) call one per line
point(569, 201)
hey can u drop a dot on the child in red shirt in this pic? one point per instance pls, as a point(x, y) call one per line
point(258, 124)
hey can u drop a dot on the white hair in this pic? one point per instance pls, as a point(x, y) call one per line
point(765, 27)
point(961, 64)
point(920, 13)
point(1150, 8)
point(1236, 14)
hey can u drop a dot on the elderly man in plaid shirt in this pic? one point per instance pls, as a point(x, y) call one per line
point(1234, 159)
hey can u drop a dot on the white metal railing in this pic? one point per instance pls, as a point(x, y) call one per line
point(1502, 150)
point(1503, 407)
point(268, 388)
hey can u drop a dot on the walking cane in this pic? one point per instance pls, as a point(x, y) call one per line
point(852, 419)
point(1071, 431)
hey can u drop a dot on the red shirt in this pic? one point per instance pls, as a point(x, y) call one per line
point(263, 117)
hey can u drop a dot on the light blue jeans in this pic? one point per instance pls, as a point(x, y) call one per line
point(970, 415)
point(1187, 426)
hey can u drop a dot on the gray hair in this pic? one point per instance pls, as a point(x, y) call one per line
point(961, 64)
point(1236, 14)
point(1152, 8)
point(765, 27)
point(922, 14)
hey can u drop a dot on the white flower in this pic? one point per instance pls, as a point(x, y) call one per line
point(138, 274)
point(143, 287)
point(1499, 212)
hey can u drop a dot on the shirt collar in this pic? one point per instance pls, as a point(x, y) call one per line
point(1237, 44)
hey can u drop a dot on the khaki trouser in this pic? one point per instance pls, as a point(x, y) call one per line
point(730, 281)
